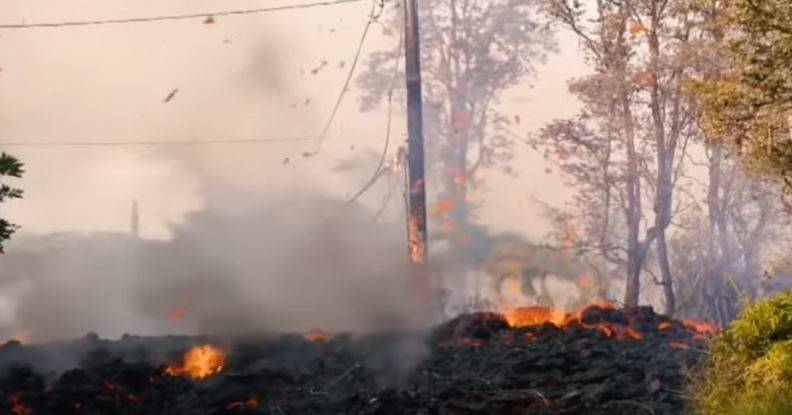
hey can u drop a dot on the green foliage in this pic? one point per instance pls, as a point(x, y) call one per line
point(750, 366)
point(9, 167)
point(751, 101)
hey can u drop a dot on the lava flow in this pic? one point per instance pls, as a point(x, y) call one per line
point(200, 362)
point(537, 316)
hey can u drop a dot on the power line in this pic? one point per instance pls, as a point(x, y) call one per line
point(379, 170)
point(345, 88)
point(177, 16)
point(150, 142)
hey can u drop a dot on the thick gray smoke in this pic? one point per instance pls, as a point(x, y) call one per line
point(292, 265)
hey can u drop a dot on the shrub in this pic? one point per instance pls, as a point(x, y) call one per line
point(749, 370)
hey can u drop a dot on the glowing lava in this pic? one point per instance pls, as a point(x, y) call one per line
point(316, 335)
point(17, 406)
point(250, 403)
point(200, 362)
point(535, 316)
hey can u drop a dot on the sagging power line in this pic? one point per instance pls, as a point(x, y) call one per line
point(176, 16)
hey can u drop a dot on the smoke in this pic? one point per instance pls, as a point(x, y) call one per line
point(289, 265)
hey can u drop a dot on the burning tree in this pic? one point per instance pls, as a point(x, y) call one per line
point(471, 51)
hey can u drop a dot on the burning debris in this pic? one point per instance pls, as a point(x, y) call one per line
point(596, 360)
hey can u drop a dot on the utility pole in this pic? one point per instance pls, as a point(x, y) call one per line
point(416, 221)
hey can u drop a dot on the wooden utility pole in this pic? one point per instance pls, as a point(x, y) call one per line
point(416, 225)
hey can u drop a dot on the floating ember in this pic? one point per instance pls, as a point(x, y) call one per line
point(200, 362)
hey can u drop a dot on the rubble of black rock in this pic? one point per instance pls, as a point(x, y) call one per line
point(474, 364)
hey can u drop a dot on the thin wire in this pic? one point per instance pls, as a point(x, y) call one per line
point(345, 88)
point(178, 16)
point(150, 143)
point(386, 200)
point(379, 170)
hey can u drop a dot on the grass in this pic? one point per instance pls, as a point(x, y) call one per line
point(749, 371)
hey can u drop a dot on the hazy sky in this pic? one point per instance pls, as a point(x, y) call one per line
point(243, 77)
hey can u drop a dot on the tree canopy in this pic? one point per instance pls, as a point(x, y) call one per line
point(9, 167)
point(751, 103)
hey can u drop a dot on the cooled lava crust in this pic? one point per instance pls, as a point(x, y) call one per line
point(602, 361)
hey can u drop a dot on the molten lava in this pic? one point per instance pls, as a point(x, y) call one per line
point(537, 316)
point(200, 362)
point(250, 403)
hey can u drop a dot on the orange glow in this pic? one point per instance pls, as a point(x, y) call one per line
point(444, 206)
point(176, 313)
point(416, 242)
point(17, 406)
point(701, 327)
point(22, 336)
point(316, 335)
point(535, 316)
point(250, 403)
point(511, 286)
point(679, 345)
point(636, 28)
point(584, 282)
point(448, 227)
point(664, 325)
point(200, 362)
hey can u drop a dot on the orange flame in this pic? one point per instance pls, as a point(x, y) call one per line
point(316, 335)
point(18, 407)
point(250, 403)
point(679, 345)
point(535, 316)
point(200, 362)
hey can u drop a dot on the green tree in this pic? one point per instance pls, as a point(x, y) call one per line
point(9, 167)
point(751, 103)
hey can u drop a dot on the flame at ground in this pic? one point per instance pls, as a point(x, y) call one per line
point(17, 406)
point(535, 316)
point(200, 362)
point(22, 336)
point(316, 335)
